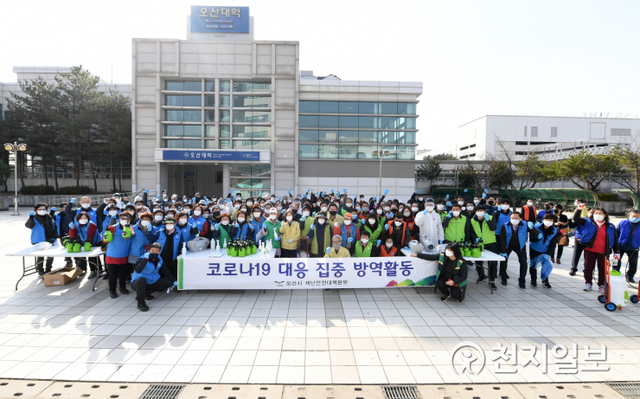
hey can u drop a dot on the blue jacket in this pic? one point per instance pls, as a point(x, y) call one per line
point(256, 226)
point(151, 272)
point(501, 220)
point(83, 232)
point(185, 232)
point(118, 247)
point(62, 221)
point(542, 245)
point(624, 231)
point(352, 230)
point(522, 235)
point(37, 233)
point(242, 231)
point(177, 242)
point(586, 232)
point(139, 240)
point(200, 222)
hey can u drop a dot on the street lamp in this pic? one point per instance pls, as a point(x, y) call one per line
point(379, 153)
point(15, 147)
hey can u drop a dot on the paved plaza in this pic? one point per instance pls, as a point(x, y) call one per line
point(350, 336)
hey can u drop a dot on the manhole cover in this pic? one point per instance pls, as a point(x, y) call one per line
point(631, 391)
point(401, 392)
point(162, 392)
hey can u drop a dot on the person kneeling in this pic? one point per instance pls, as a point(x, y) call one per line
point(337, 250)
point(150, 275)
point(451, 278)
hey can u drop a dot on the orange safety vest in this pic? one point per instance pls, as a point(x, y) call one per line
point(392, 252)
point(404, 228)
point(525, 211)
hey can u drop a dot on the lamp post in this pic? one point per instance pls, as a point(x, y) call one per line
point(379, 153)
point(15, 147)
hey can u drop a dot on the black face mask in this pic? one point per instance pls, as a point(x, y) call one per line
point(490, 202)
point(216, 213)
point(153, 257)
point(333, 213)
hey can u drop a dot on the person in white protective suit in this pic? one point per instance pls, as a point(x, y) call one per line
point(430, 224)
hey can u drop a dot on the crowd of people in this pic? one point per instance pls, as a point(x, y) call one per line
point(143, 238)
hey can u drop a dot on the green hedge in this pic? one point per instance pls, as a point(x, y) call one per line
point(37, 190)
point(608, 197)
point(74, 190)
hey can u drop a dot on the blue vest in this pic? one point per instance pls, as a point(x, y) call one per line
point(185, 232)
point(118, 247)
point(543, 245)
point(83, 232)
point(37, 233)
point(139, 240)
point(151, 272)
point(501, 220)
point(177, 241)
point(625, 230)
point(352, 232)
point(585, 232)
point(522, 233)
point(257, 226)
point(242, 232)
point(90, 212)
point(590, 231)
point(199, 221)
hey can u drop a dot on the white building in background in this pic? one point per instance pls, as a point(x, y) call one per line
point(34, 174)
point(550, 137)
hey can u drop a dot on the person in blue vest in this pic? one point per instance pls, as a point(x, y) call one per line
point(61, 222)
point(243, 228)
point(629, 240)
point(140, 241)
point(513, 238)
point(171, 241)
point(547, 210)
point(150, 274)
point(86, 231)
point(111, 216)
point(85, 206)
point(200, 221)
point(257, 222)
point(42, 230)
point(118, 240)
point(600, 240)
point(502, 216)
point(188, 230)
point(543, 246)
point(349, 232)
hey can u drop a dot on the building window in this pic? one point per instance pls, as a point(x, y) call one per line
point(309, 136)
point(534, 131)
point(525, 131)
point(308, 151)
point(328, 107)
point(554, 132)
point(348, 107)
point(308, 107)
point(621, 132)
point(251, 102)
point(244, 86)
point(257, 132)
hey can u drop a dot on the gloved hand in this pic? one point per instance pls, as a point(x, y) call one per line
point(194, 225)
point(344, 190)
point(415, 192)
point(374, 198)
point(386, 191)
point(378, 243)
point(230, 191)
point(450, 214)
point(391, 216)
point(350, 240)
point(277, 238)
point(478, 239)
point(448, 204)
point(106, 200)
point(328, 250)
point(146, 190)
point(530, 225)
point(354, 216)
point(216, 226)
point(312, 227)
point(322, 194)
point(280, 199)
point(283, 211)
point(407, 248)
point(332, 191)
point(336, 224)
point(465, 190)
point(53, 209)
point(174, 286)
point(484, 195)
point(440, 242)
point(236, 225)
point(32, 213)
point(447, 197)
point(193, 199)
point(289, 192)
point(504, 255)
point(304, 195)
point(229, 200)
point(302, 219)
point(314, 214)
point(73, 200)
point(486, 190)
point(308, 189)
point(289, 240)
point(159, 197)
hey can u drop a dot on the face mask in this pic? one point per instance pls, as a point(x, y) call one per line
point(289, 218)
point(117, 200)
point(440, 207)
point(333, 213)
point(183, 221)
point(634, 220)
point(448, 253)
point(421, 199)
point(548, 223)
point(124, 223)
point(429, 209)
point(397, 223)
point(515, 222)
point(476, 202)
point(407, 214)
point(480, 214)
point(365, 210)
point(389, 244)
point(379, 211)
point(279, 207)
point(305, 213)
point(206, 215)
point(158, 218)
point(460, 203)
point(145, 223)
point(237, 206)
point(490, 202)
point(469, 208)
point(387, 208)
point(320, 222)
point(336, 246)
point(84, 221)
point(529, 203)
point(365, 241)
point(42, 213)
point(153, 256)
point(256, 215)
point(415, 209)
point(224, 222)
point(273, 217)
point(85, 206)
point(170, 216)
point(249, 203)
point(113, 213)
point(240, 220)
point(169, 226)
point(349, 204)
point(323, 209)
point(197, 213)
point(505, 207)
point(372, 221)
point(598, 218)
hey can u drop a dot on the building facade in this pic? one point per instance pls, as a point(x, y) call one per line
point(221, 111)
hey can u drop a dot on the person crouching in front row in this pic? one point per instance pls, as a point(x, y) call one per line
point(149, 274)
point(451, 278)
point(337, 250)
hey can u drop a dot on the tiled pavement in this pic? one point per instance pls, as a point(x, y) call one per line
point(362, 336)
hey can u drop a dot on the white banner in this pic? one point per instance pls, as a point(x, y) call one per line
point(223, 273)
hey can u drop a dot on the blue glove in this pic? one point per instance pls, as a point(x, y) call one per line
point(194, 225)
point(354, 216)
point(302, 219)
point(530, 225)
point(378, 243)
point(308, 190)
point(32, 213)
point(73, 200)
point(146, 190)
point(331, 191)
point(391, 215)
point(504, 255)
point(277, 238)
point(450, 214)
point(216, 226)
point(425, 212)
point(283, 211)
point(193, 199)
point(465, 190)
point(449, 204)
point(230, 191)
point(313, 227)
point(484, 195)
point(53, 209)
point(350, 239)
point(159, 197)
point(386, 191)
point(304, 195)
point(314, 214)
point(540, 236)
point(374, 198)
point(175, 285)
point(344, 190)
point(407, 248)
point(322, 194)
point(328, 250)
point(229, 200)
point(486, 190)
point(289, 192)
point(415, 192)
point(280, 199)
point(236, 225)
point(440, 242)
point(478, 239)
point(447, 197)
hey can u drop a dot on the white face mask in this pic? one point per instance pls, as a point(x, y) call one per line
point(469, 208)
point(224, 222)
point(113, 213)
point(372, 221)
point(387, 208)
point(85, 206)
point(460, 203)
point(548, 223)
point(379, 211)
point(480, 214)
point(169, 226)
point(197, 213)
point(429, 209)
point(349, 204)
point(347, 222)
point(504, 207)
point(305, 213)
point(455, 213)
point(279, 207)
point(289, 218)
point(529, 203)
point(145, 223)
point(249, 203)
point(389, 244)
point(414, 209)
point(448, 253)
point(398, 224)
point(515, 222)
point(273, 217)
point(323, 209)
point(407, 214)
point(321, 221)
point(440, 207)
point(365, 241)
point(256, 215)
point(42, 213)
point(124, 223)
point(158, 218)
point(476, 202)
point(598, 218)
point(240, 220)
point(84, 221)
point(421, 199)
point(184, 221)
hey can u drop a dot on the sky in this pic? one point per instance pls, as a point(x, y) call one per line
point(474, 58)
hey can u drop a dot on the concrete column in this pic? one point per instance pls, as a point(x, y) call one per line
point(226, 179)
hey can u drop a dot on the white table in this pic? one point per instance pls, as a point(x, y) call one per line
point(222, 254)
point(55, 251)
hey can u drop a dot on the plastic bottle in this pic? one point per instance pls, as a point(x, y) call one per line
point(184, 249)
point(618, 288)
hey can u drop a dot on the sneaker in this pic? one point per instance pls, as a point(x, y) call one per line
point(552, 260)
point(113, 294)
point(445, 297)
point(142, 306)
point(558, 261)
point(493, 286)
point(546, 283)
point(523, 286)
point(92, 275)
point(40, 272)
point(124, 290)
point(573, 272)
point(534, 284)
point(601, 288)
point(587, 287)
point(504, 281)
point(481, 278)
point(631, 279)
point(149, 296)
